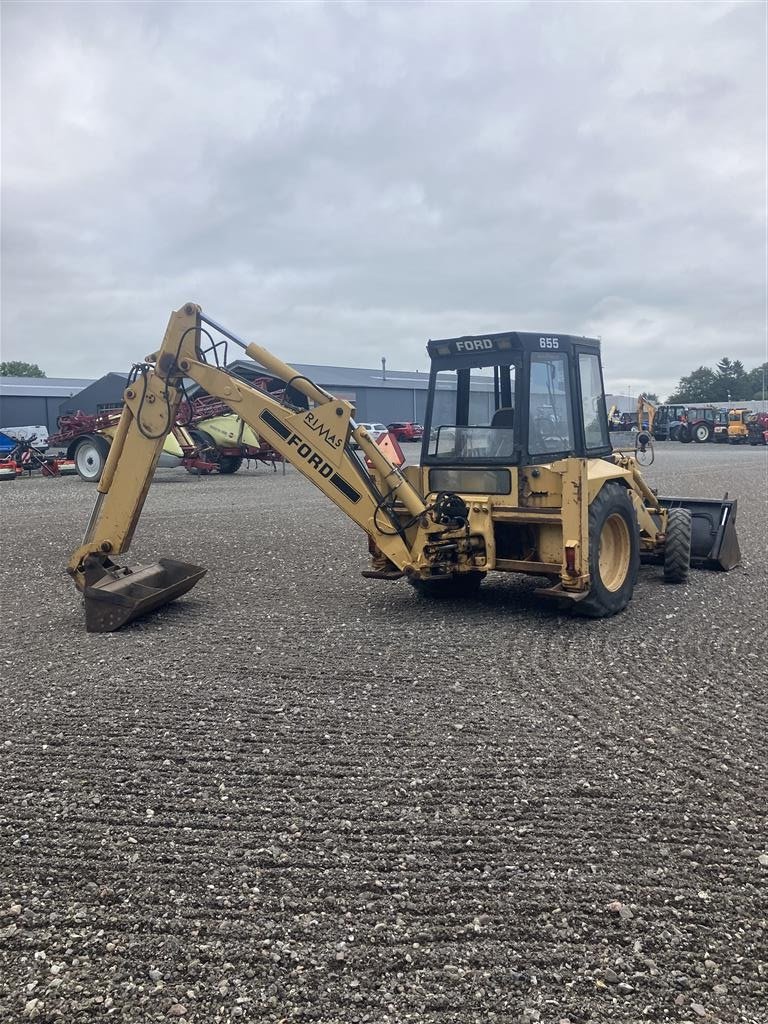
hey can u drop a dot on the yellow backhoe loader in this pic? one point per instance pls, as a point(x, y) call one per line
point(530, 486)
point(646, 413)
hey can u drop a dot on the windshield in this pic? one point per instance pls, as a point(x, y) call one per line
point(473, 414)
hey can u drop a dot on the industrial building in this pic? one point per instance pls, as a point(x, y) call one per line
point(382, 396)
point(378, 396)
point(36, 401)
point(102, 395)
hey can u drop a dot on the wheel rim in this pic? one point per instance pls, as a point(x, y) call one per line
point(88, 461)
point(614, 552)
point(701, 433)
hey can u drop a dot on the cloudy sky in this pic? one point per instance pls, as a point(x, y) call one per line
point(342, 181)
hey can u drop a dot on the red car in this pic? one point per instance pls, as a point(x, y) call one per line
point(406, 431)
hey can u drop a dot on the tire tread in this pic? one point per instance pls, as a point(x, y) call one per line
point(677, 549)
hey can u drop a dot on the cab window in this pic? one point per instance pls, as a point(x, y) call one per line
point(593, 418)
point(550, 421)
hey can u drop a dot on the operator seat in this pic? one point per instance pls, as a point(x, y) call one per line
point(504, 444)
point(504, 417)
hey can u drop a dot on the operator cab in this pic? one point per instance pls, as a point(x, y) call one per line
point(513, 399)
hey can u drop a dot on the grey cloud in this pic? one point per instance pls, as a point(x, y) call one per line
point(345, 180)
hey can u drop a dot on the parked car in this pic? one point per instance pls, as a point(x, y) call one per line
point(406, 431)
point(374, 429)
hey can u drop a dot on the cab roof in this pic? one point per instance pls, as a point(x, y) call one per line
point(488, 344)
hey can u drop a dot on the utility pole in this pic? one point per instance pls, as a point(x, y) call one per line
point(383, 367)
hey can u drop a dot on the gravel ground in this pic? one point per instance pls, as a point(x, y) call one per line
point(298, 795)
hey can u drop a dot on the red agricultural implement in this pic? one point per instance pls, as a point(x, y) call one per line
point(200, 441)
point(227, 441)
point(757, 428)
point(20, 456)
point(87, 440)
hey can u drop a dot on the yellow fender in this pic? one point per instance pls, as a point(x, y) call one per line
point(170, 447)
point(229, 431)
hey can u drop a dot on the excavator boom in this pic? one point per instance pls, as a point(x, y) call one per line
point(646, 411)
point(315, 440)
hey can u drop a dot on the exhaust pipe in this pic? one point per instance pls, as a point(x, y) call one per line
point(714, 544)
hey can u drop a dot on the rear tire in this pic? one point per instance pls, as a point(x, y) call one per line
point(702, 433)
point(464, 584)
point(226, 463)
point(90, 457)
point(614, 553)
point(684, 434)
point(230, 464)
point(677, 548)
point(202, 441)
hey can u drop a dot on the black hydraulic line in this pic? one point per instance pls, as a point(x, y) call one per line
point(373, 490)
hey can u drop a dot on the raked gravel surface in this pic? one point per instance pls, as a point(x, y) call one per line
point(299, 795)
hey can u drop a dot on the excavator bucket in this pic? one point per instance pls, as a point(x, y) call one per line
point(115, 596)
point(714, 544)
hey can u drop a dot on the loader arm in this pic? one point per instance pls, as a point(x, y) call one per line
point(316, 441)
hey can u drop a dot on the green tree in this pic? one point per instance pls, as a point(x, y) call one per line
point(757, 383)
point(699, 386)
point(15, 368)
point(731, 380)
point(651, 397)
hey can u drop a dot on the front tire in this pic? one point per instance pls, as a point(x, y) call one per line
point(459, 585)
point(702, 433)
point(677, 547)
point(614, 553)
point(91, 457)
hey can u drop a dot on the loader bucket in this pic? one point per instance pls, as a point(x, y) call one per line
point(114, 597)
point(714, 544)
